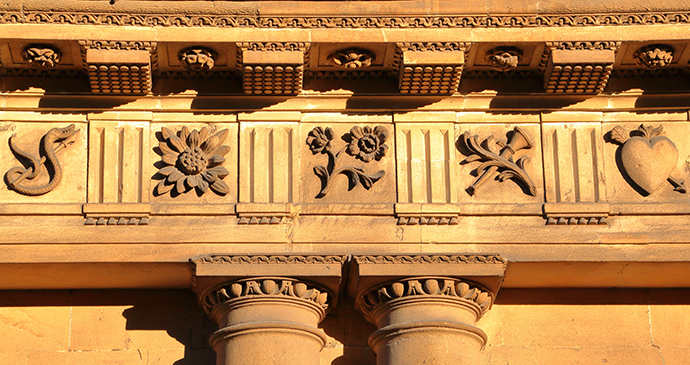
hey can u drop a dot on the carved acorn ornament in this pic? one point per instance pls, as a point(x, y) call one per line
point(193, 160)
point(427, 287)
point(647, 158)
point(266, 287)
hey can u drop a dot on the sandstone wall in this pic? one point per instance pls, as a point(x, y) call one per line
point(165, 327)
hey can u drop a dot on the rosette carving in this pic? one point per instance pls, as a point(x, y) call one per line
point(351, 58)
point(193, 160)
point(365, 144)
point(41, 57)
point(427, 287)
point(197, 59)
point(273, 287)
point(654, 56)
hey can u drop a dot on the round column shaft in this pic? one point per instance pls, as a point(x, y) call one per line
point(266, 321)
point(426, 320)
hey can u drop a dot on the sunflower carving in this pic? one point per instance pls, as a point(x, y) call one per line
point(365, 144)
point(193, 160)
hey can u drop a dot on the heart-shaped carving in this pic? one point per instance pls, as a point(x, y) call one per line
point(649, 162)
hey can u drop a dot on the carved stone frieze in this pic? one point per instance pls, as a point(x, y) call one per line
point(429, 259)
point(455, 289)
point(504, 58)
point(193, 160)
point(408, 220)
point(117, 221)
point(197, 59)
point(365, 144)
point(573, 221)
point(270, 259)
point(272, 287)
point(254, 21)
point(647, 158)
point(501, 163)
point(654, 56)
point(52, 142)
point(260, 219)
point(42, 57)
point(351, 58)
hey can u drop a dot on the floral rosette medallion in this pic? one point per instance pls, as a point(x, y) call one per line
point(193, 160)
point(365, 144)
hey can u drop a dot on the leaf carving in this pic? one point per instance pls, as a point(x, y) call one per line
point(619, 134)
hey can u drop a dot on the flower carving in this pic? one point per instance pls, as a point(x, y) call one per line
point(365, 144)
point(319, 140)
point(41, 57)
point(193, 160)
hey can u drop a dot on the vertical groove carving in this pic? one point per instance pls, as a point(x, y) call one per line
point(252, 172)
point(268, 171)
point(427, 157)
point(120, 163)
point(556, 173)
point(446, 159)
point(101, 164)
point(272, 165)
point(290, 164)
point(576, 167)
point(595, 165)
point(140, 168)
point(408, 139)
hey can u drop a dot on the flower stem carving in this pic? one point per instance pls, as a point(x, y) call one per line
point(193, 160)
point(492, 162)
point(365, 144)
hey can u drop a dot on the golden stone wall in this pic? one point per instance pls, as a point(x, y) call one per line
point(165, 327)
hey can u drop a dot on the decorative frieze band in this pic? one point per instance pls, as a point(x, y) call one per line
point(429, 259)
point(340, 22)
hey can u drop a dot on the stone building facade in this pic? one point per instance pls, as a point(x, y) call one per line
point(344, 182)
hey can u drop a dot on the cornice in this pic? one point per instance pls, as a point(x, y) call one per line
point(315, 22)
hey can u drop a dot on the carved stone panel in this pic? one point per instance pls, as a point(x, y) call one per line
point(573, 163)
point(347, 159)
point(37, 167)
point(646, 163)
point(193, 163)
point(513, 174)
point(426, 165)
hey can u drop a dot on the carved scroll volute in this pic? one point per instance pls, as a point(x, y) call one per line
point(647, 158)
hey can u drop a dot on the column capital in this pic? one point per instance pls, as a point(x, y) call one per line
point(221, 277)
point(373, 272)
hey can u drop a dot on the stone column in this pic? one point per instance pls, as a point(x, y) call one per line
point(267, 319)
point(426, 319)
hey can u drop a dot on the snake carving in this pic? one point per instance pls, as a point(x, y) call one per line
point(52, 142)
